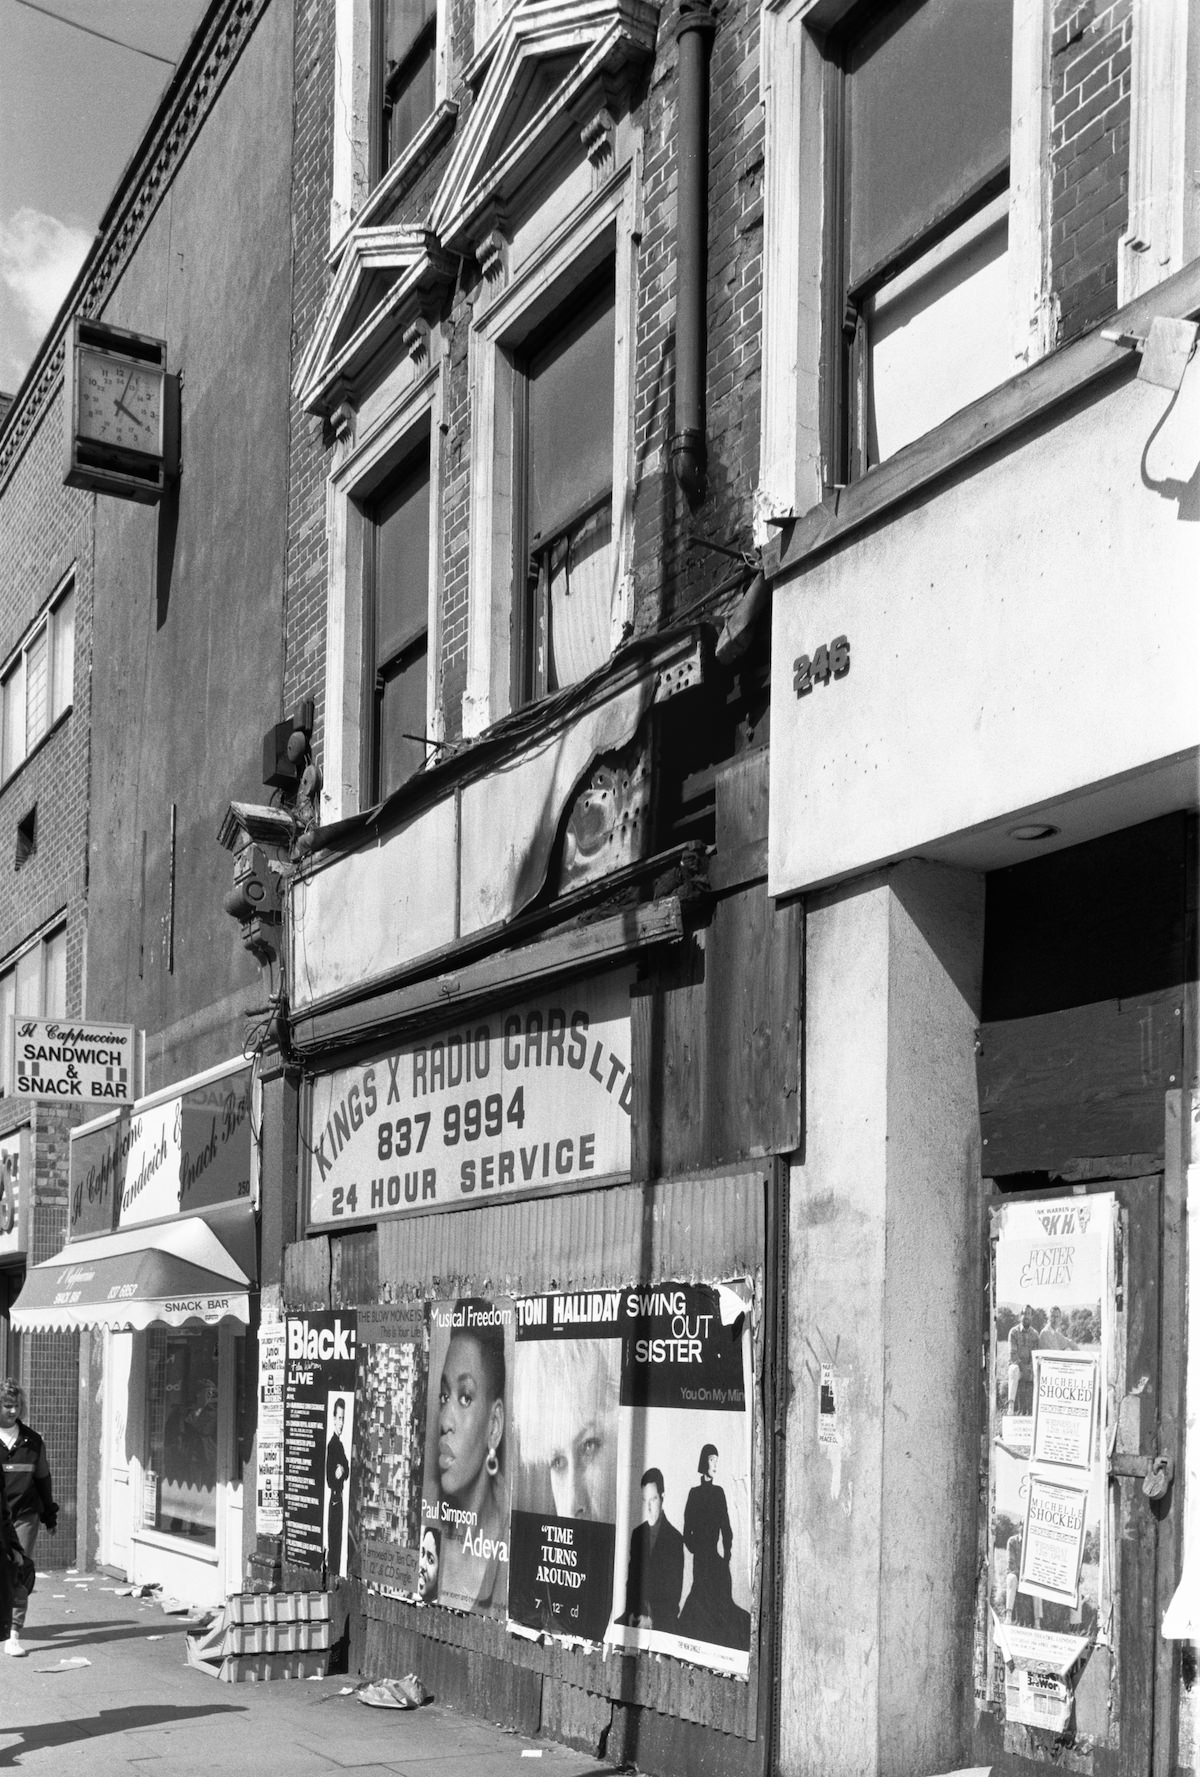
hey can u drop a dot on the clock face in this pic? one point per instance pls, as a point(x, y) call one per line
point(120, 403)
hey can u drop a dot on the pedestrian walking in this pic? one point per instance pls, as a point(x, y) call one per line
point(29, 1500)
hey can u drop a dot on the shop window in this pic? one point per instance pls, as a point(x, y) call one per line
point(923, 279)
point(182, 1422)
point(564, 401)
point(396, 627)
point(36, 685)
point(33, 982)
point(406, 44)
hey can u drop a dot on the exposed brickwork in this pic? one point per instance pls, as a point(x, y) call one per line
point(667, 574)
point(1090, 73)
point(307, 564)
point(45, 534)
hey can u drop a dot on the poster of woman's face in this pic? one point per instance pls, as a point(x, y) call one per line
point(565, 1399)
point(465, 1495)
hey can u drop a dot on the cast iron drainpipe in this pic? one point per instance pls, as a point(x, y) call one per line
point(689, 455)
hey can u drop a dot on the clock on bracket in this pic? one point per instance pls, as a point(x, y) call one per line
point(121, 411)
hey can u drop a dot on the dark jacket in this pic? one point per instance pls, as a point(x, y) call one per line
point(654, 1581)
point(27, 1478)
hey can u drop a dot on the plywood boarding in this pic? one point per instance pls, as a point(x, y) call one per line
point(1081, 1083)
point(716, 1039)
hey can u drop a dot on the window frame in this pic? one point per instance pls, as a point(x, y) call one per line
point(531, 610)
point(427, 44)
point(39, 943)
point(357, 169)
point(419, 445)
point(849, 313)
point(501, 330)
point(45, 629)
point(804, 402)
point(390, 428)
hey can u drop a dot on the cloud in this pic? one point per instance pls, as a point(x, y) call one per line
point(39, 256)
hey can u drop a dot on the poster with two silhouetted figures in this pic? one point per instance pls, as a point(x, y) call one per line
point(575, 1464)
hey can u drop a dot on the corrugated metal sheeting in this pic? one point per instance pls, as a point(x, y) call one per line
point(697, 1228)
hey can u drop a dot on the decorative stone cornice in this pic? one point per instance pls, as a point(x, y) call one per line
point(514, 126)
point(357, 323)
point(189, 98)
point(491, 249)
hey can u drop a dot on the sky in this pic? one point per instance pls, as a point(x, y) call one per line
point(72, 109)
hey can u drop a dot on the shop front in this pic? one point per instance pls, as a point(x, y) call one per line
point(159, 1275)
point(530, 1335)
point(998, 869)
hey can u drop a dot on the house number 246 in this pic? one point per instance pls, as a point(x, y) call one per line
point(831, 661)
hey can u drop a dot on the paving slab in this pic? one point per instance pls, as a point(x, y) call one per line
point(137, 1706)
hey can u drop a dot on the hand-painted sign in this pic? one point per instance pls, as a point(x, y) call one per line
point(519, 1099)
point(72, 1061)
point(186, 1152)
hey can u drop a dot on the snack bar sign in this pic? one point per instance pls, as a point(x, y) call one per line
point(519, 1099)
point(72, 1061)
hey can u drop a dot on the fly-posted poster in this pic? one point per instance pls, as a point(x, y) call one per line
point(272, 1344)
point(318, 1435)
point(1052, 1358)
point(464, 1548)
point(386, 1470)
point(631, 1518)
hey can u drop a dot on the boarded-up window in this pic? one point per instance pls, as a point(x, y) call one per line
point(399, 626)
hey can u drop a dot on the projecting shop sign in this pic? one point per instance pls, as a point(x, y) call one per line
point(72, 1061)
point(520, 1099)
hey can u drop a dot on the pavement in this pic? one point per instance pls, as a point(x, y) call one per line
point(137, 1706)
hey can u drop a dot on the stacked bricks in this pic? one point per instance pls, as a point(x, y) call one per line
point(1089, 137)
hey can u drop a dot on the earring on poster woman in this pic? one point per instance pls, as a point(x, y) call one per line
point(492, 1465)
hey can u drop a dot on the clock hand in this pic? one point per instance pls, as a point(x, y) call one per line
point(121, 408)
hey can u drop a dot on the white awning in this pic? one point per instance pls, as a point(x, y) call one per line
point(198, 1268)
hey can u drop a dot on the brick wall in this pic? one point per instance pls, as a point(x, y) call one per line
point(1090, 71)
point(45, 533)
point(667, 573)
point(307, 563)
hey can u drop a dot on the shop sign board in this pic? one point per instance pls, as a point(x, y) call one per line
point(72, 1061)
point(187, 1151)
point(14, 1190)
point(517, 1099)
